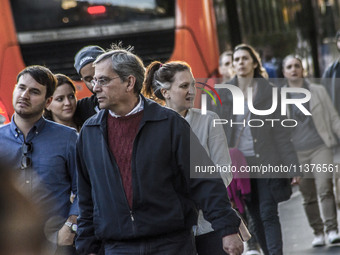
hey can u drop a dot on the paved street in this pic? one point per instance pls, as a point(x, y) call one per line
point(297, 235)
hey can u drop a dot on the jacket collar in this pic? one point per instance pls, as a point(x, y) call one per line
point(306, 84)
point(264, 89)
point(37, 127)
point(152, 112)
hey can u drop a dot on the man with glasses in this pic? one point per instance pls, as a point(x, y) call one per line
point(83, 63)
point(133, 162)
point(43, 154)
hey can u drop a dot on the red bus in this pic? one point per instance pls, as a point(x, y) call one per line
point(50, 33)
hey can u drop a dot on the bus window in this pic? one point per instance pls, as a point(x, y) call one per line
point(51, 32)
point(74, 13)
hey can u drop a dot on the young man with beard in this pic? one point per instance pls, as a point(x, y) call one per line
point(42, 153)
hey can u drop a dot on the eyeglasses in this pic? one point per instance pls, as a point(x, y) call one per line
point(87, 79)
point(102, 82)
point(26, 161)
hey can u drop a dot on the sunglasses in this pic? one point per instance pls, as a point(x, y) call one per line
point(26, 161)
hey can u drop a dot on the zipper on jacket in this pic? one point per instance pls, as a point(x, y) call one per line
point(132, 218)
point(123, 192)
point(133, 222)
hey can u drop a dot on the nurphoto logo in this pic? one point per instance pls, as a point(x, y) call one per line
point(238, 101)
point(208, 92)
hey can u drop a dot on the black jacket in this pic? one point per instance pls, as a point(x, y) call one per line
point(330, 80)
point(86, 108)
point(164, 195)
point(272, 145)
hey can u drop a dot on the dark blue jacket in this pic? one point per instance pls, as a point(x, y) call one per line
point(86, 108)
point(330, 80)
point(272, 143)
point(164, 195)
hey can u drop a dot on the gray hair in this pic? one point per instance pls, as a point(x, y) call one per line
point(125, 63)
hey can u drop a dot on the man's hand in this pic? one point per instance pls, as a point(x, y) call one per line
point(232, 244)
point(65, 236)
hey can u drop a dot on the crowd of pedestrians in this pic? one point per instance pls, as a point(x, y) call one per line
point(266, 145)
point(111, 173)
point(313, 139)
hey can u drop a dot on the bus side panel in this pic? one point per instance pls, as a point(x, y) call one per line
point(197, 17)
point(186, 50)
point(7, 29)
point(81, 90)
point(11, 62)
point(196, 39)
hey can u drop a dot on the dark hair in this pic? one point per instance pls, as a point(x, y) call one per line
point(225, 53)
point(125, 63)
point(259, 70)
point(41, 75)
point(160, 76)
point(62, 79)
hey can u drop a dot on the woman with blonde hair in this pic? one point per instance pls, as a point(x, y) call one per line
point(174, 83)
point(313, 138)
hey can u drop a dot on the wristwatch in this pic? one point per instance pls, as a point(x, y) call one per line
point(73, 227)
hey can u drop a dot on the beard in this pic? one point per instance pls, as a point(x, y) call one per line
point(29, 112)
point(28, 115)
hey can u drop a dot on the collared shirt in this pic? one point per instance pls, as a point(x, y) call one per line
point(139, 107)
point(52, 175)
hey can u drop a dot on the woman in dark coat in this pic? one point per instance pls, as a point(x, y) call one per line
point(264, 142)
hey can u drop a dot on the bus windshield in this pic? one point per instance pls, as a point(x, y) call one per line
point(50, 32)
point(36, 15)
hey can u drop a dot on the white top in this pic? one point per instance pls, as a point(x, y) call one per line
point(139, 107)
point(214, 141)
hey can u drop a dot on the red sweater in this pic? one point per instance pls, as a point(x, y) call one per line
point(121, 134)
